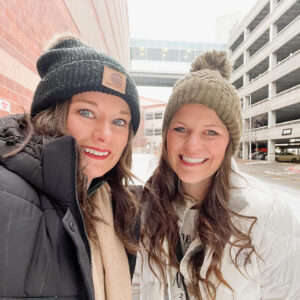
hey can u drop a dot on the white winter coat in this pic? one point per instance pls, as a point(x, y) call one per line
point(276, 237)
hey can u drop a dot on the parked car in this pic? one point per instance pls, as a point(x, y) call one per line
point(259, 155)
point(287, 156)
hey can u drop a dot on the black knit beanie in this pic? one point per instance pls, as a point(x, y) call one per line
point(71, 67)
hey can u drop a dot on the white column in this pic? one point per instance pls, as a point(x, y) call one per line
point(273, 31)
point(246, 56)
point(272, 89)
point(271, 150)
point(246, 33)
point(245, 103)
point(273, 4)
point(245, 154)
point(272, 60)
point(245, 79)
point(271, 142)
point(271, 118)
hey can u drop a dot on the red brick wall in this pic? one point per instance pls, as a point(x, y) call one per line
point(25, 28)
point(139, 140)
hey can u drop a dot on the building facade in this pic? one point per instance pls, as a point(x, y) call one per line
point(265, 52)
point(162, 63)
point(149, 136)
point(26, 26)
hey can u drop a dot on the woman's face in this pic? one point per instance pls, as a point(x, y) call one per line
point(196, 143)
point(100, 124)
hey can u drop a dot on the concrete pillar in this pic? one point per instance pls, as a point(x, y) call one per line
point(246, 33)
point(246, 56)
point(271, 150)
point(271, 142)
point(272, 89)
point(272, 60)
point(245, 102)
point(273, 31)
point(245, 79)
point(273, 4)
point(245, 150)
point(246, 125)
point(271, 118)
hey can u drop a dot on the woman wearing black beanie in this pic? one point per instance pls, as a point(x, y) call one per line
point(66, 213)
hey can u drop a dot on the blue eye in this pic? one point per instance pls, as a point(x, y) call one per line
point(180, 129)
point(211, 132)
point(86, 113)
point(119, 122)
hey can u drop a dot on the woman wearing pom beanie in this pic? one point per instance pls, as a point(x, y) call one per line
point(210, 232)
point(66, 212)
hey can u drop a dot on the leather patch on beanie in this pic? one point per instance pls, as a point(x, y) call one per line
point(114, 80)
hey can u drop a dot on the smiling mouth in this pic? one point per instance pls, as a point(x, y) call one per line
point(192, 160)
point(97, 154)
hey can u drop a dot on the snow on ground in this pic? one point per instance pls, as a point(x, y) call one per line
point(143, 166)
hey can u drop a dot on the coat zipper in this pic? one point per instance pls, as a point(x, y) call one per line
point(78, 205)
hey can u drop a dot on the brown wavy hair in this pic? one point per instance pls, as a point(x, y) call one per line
point(51, 123)
point(214, 225)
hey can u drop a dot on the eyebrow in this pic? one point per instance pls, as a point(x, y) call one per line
point(123, 112)
point(208, 125)
point(178, 122)
point(214, 125)
point(86, 101)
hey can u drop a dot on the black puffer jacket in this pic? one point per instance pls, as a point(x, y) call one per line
point(44, 251)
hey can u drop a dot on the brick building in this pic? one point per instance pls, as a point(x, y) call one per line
point(27, 25)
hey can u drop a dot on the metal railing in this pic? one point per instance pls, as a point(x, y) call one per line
point(283, 124)
point(286, 91)
point(289, 123)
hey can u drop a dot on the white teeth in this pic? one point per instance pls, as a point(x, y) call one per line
point(192, 160)
point(95, 152)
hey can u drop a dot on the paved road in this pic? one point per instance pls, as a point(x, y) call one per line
point(285, 175)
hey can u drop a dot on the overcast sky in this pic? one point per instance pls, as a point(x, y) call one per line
point(181, 20)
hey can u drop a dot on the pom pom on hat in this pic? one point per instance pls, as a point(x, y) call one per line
point(213, 60)
point(208, 84)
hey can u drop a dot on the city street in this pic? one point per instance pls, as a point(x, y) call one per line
point(283, 175)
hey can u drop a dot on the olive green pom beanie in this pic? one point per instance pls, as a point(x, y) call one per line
point(207, 84)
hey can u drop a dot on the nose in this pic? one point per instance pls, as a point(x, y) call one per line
point(102, 130)
point(193, 141)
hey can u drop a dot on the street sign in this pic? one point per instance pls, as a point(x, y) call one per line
point(4, 105)
point(287, 131)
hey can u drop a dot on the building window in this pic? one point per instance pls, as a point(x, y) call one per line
point(157, 131)
point(148, 131)
point(158, 115)
point(149, 116)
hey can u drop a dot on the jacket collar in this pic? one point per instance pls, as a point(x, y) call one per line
point(60, 161)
